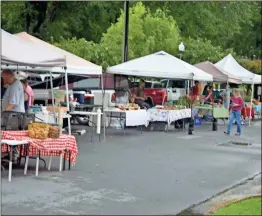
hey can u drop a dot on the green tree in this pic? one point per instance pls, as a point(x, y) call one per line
point(148, 33)
point(198, 50)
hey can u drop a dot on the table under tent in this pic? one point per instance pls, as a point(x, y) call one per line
point(219, 77)
point(160, 65)
point(17, 53)
point(229, 64)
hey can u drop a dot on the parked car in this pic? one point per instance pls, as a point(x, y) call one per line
point(148, 84)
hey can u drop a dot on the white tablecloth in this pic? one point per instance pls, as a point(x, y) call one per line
point(133, 117)
point(168, 116)
point(136, 118)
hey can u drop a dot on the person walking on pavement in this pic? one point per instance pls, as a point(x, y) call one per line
point(236, 105)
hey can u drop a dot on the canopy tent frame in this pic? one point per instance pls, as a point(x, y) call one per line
point(191, 77)
point(51, 71)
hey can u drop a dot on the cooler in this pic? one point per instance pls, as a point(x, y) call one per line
point(89, 99)
point(80, 96)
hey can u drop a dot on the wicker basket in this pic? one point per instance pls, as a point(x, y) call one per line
point(54, 132)
point(38, 130)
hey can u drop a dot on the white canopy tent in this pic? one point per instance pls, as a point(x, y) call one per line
point(219, 75)
point(160, 65)
point(74, 64)
point(18, 52)
point(229, 64)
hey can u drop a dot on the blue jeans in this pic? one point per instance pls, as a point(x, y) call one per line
point(234, 115)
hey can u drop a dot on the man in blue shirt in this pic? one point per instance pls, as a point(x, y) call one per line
point(13, 99)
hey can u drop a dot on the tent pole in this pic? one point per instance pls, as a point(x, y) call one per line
point(103, 110)
point(252, 92)
point(67, 101)
point(214, 124)
point(191, 122)
point(52, 96)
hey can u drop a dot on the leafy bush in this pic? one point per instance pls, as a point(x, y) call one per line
point(252, 65)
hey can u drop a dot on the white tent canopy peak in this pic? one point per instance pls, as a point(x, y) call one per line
point(229, 64)
point(160, 65)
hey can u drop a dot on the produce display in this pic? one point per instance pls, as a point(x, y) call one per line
point(131, 106)
point(171, 107)
point(185, 101)
point(211, 105)
point(54, 132)
point(38, 130)
point(43, 131)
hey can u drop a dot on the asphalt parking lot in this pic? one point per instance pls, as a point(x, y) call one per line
point(148, 173)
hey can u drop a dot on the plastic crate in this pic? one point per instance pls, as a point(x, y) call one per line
point(198, 121)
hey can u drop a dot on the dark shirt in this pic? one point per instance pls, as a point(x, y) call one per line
point(3, 89)
point(27, 102)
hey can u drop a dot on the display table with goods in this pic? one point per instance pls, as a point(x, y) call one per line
point(168, 114)
point(50, 115)
point(217, 111)
point(129, 115)
point(44, 140)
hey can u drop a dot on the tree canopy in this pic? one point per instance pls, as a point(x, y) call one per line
point(94, 30)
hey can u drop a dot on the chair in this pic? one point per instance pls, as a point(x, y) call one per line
point(13, 143)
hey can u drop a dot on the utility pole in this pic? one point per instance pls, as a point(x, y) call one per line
point(125, 39)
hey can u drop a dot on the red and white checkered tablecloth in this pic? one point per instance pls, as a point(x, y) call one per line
point(47, 147)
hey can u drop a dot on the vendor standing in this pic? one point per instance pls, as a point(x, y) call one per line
point(13, 99)
point(209, 98)
point(139, 95)
point(195, 91)
point(226, 96)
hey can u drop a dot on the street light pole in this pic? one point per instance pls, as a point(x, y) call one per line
point(125, 39)
point(181, 49)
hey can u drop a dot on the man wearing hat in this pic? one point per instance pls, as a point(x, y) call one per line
point(13, 99)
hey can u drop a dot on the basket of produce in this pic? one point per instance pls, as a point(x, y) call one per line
point(54, 132)
point(38, 130)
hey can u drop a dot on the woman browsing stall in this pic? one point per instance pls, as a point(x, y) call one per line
point(236, 105)
point(26, 95)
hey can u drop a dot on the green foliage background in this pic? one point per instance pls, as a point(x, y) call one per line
point(94, 30)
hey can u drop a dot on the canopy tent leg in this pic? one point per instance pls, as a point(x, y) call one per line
point(252, 93)
point(103, 111)
point(52, 96)
point(191, 121)
point(67, 101)
point(214, 122)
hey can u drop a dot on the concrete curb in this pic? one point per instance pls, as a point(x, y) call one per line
point(234, 185)
point(215, 208)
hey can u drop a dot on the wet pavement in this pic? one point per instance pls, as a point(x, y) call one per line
point(148, 173)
